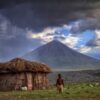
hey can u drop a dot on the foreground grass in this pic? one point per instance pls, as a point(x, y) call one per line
point(71, 92)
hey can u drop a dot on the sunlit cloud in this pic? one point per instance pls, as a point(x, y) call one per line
point(97, 38)
point(97, 34)
point(43, 33)
point(71, 41)
point(84, 49)
point(48, 34)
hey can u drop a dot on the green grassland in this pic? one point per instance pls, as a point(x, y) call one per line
point(71, 92)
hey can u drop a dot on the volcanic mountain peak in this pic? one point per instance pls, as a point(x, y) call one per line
point(55, 43)
point(53, 48)
point(59, 56)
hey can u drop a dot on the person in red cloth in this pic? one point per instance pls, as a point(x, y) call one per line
point(60, 84)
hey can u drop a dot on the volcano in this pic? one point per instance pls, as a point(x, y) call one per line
point(61, 57)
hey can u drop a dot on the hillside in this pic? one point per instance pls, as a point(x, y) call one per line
point(86, 76)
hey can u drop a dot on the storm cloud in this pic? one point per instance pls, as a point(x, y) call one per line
point(83, 25)
point(38, 14)
point(14, 40)
point(19, 17)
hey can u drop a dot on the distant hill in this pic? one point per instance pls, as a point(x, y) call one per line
point(86, 76)
point(61, 57)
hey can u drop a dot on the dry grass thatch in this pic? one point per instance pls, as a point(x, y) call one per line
point(22, 65)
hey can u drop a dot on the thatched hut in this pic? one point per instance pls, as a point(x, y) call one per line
point(19, 73)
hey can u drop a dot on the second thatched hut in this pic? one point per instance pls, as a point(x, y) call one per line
point(19, 73)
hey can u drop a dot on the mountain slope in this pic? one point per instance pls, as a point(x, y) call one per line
point(59, 56)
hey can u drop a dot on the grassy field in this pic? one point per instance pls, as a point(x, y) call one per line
point(71, 92)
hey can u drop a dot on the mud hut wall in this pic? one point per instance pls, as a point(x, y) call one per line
point(40, 81)
point(20, 80)
point(11, 81)
point(35, 81)
point(45, 80)
point(29, 81)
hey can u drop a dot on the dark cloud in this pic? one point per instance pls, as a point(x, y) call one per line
point(18, 15)
point(15, 47)
point(83, 25)
point(39, 14)
point(13, 40)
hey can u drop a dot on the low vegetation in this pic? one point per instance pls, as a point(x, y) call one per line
point(71, 92)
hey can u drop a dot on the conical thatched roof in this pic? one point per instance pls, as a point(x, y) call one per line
point(22, 65)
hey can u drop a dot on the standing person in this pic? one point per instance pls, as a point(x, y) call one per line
point(60, 83)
